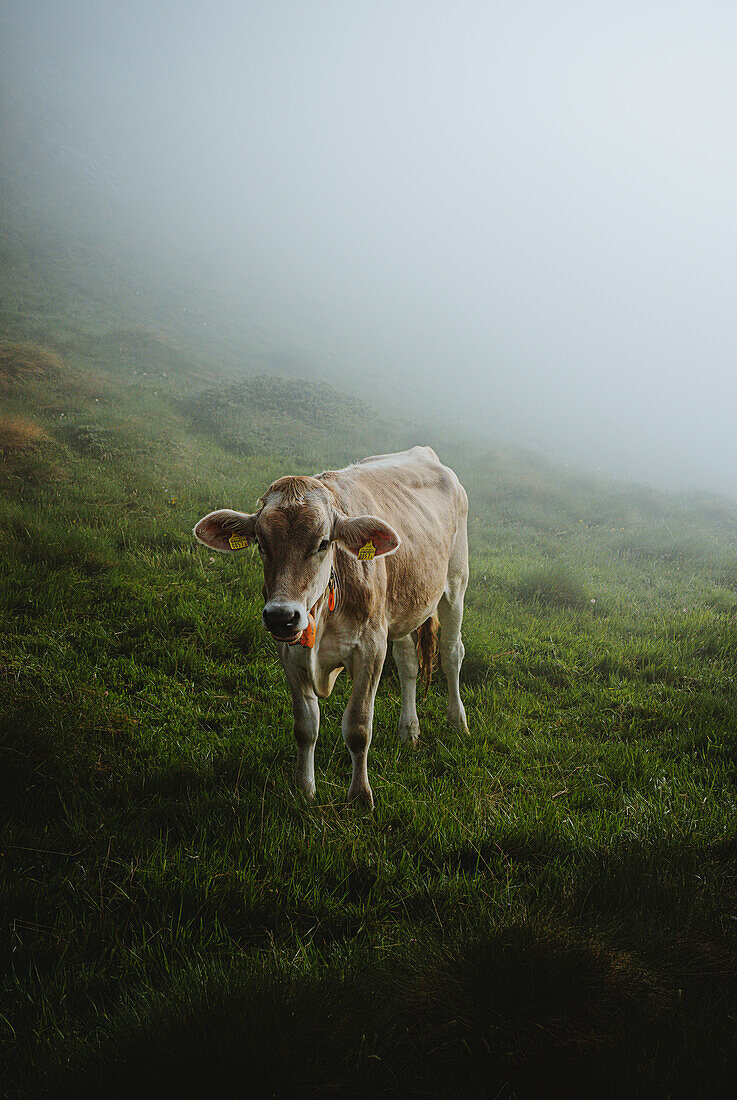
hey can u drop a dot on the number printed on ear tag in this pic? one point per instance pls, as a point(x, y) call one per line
point(367, 552)
point(237, 542)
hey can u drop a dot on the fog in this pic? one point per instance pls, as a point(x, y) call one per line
point(519, 218)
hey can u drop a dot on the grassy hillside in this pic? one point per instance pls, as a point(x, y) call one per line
point(546, 907)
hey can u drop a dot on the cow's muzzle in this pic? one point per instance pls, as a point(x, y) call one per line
point(285, 621)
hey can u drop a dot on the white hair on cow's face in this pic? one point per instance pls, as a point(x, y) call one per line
point(292, 491)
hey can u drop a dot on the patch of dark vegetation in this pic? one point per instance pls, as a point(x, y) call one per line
point(315, 403)
point(238, 414)
point(553, 585)
point(93, 440)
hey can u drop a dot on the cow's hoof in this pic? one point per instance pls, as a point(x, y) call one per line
point(361, 799)
point(458, 722)
point(306, 788)
point(410, 734)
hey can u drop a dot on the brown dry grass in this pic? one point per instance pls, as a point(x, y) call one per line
point(42, 376)
point(26, 451)
point(18, 434)
point(27, 362)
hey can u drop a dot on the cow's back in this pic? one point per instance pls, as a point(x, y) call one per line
point(426, 504)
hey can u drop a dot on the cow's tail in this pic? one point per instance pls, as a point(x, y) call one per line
point(427, 649)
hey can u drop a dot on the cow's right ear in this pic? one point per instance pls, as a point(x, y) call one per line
point(226, 530)
point(366, 536)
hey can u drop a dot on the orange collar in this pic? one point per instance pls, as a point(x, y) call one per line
point(307, 637)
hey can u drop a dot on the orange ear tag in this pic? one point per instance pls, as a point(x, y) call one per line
point(238, 542)
point(331, 599)
point(307, 637)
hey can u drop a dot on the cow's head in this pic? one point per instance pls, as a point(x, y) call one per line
point(295, 530)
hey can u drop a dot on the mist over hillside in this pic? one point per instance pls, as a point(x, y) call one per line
point(517, 221)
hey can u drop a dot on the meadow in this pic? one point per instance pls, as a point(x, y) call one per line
point(546, 907)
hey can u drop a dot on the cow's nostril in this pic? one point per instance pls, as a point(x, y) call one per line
point(281, 620)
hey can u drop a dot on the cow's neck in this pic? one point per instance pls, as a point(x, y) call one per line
point(328, 602)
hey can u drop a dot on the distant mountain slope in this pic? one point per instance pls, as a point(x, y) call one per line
point(139, 351)
point(293, 417)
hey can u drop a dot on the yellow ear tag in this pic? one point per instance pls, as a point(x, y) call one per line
point(367, 552)
point(237, 542)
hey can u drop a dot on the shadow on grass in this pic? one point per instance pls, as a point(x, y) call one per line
point(560, 1005)
point(524, 1011)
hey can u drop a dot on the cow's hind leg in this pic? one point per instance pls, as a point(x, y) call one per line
point(405, 658)
point(450, 615)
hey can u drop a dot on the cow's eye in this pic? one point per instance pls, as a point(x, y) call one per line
point(323, 546)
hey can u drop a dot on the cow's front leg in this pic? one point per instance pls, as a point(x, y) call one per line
point(358, 716)
point(306, 712)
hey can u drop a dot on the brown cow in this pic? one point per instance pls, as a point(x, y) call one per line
point(354, 559)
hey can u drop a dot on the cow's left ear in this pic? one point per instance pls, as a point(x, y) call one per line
point(226, 530)
point(362, 533)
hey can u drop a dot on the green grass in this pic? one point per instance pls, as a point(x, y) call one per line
point(554, 585)
point(547, 906)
